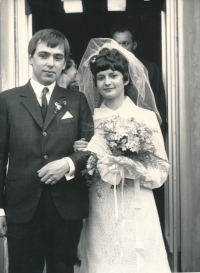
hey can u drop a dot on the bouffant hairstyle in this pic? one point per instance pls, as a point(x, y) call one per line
point(109, 59)
point(52, 38)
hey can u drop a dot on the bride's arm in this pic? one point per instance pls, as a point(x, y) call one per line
point(157, 172)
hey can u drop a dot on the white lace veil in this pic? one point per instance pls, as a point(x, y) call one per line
point(138, 74)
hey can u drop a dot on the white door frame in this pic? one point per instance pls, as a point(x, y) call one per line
point(15, 32)
point(170, 69)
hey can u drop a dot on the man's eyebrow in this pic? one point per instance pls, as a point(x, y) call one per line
point(44, 52)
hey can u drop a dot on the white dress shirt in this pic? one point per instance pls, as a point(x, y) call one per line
point(37, 87)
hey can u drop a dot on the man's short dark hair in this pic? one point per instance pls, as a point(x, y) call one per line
point(52, 38)
point(122, 28)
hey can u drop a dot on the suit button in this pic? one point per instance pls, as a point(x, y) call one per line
point(44, 133)
point(45, 157)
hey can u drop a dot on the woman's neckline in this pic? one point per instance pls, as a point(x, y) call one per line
point(125, 97)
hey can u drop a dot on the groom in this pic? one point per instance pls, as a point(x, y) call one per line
point(43, 197)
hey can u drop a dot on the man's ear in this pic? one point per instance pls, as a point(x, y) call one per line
point(134, 45)
point(64, 65)
point(126, 82)
point(30, 59)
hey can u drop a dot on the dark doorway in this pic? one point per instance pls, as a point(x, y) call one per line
point(96, 21)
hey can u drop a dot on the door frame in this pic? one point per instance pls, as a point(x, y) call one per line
point(171, 73)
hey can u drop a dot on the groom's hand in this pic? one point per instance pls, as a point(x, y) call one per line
point(3, 226)
point(53, 171)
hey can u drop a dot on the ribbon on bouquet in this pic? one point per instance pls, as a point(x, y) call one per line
point(112, 170)
point(109, 165)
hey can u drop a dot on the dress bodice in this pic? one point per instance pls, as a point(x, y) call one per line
point(126, 110)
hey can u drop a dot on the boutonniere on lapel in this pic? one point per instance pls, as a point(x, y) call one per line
point(59, 105)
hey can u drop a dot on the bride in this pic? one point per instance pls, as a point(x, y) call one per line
point(122, 233)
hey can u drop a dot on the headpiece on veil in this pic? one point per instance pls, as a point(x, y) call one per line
point(137, 72)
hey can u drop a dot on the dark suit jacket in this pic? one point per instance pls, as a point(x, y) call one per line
point(22, 137)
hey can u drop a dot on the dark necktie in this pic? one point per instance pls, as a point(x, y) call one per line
point(44, 102)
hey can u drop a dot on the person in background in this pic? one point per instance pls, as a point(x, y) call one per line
point(69, 77)
point(126, 37)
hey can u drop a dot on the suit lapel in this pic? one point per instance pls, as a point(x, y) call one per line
point(29, 100)
point(57, 95)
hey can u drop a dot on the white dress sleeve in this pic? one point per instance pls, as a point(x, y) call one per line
point(156, 173)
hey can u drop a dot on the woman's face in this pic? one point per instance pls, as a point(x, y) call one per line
point(71, 72)
point(110, 84)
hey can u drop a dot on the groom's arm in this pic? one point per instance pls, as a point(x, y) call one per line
point(86, 131)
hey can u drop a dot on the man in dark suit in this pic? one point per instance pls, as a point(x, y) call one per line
point(43, 197)
point(126, 37)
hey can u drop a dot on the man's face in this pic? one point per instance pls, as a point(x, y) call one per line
point(47, 63)
point(68, 75)
point(71, 72)
point(125, 40)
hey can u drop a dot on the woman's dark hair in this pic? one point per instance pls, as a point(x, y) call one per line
point(109, 59)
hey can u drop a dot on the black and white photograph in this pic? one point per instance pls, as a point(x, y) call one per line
point(99, 136)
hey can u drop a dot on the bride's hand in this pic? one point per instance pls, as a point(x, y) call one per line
point(80, 145)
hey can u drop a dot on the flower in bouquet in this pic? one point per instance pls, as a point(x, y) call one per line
point(91, 168)
point(92, 163)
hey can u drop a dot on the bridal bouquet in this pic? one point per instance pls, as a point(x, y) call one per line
point(124, 147)
point(126, 137)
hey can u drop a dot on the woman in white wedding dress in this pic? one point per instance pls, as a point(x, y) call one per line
point(122, 233)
